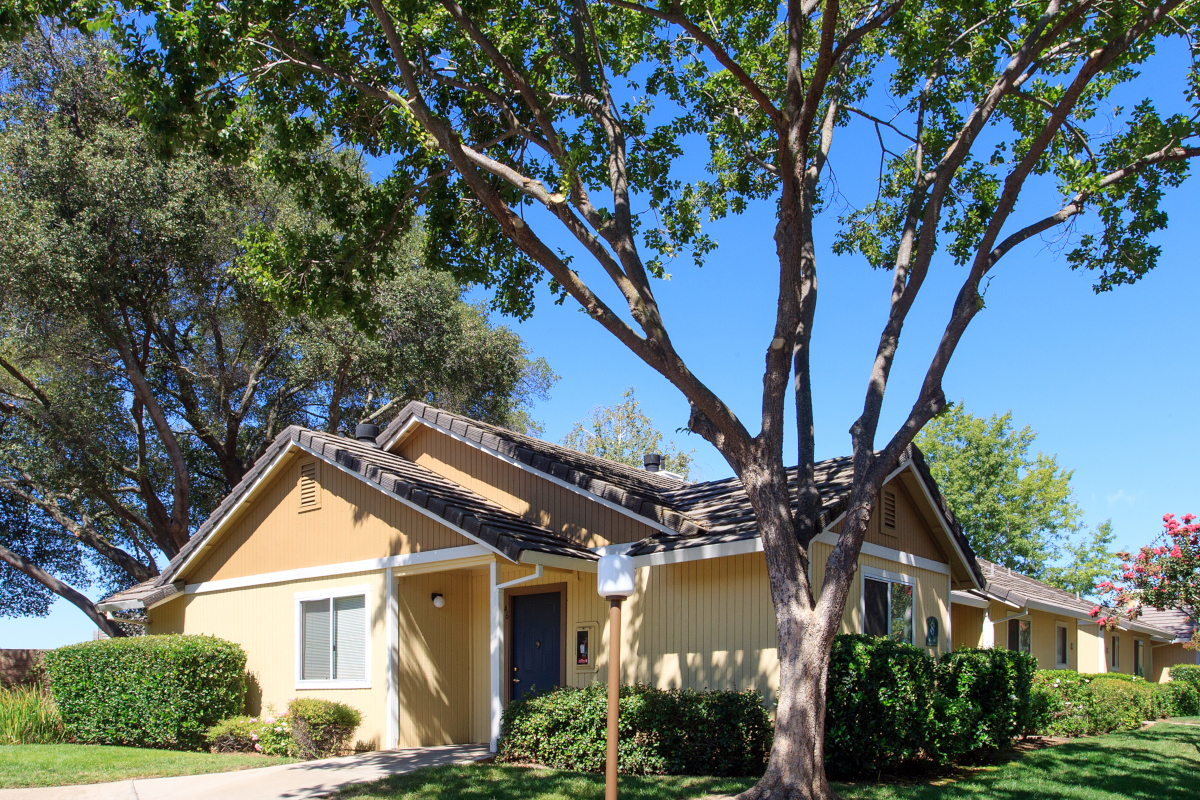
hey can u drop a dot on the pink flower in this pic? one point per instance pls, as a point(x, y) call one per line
point(258, 748)
point(269, 720)
point(254, 737)
point(1176, 552)
point(253, 719)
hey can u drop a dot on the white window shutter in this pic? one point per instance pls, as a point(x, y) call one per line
point(316, 640)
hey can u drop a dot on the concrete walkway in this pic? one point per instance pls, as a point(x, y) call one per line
point(285, 782)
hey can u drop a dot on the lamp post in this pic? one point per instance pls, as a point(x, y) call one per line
point(614, 582)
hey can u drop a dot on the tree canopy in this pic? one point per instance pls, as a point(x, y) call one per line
point(624, 433)
point(139, 377)
point(1017, 508)
point(589, 142)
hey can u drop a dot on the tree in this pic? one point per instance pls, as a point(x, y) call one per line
point(624, 433)
point(139, 378)
point(1164, 574)
point(517, 127)
point(1091, 558)
point(1016, 509)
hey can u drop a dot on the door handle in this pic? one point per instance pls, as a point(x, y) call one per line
point(516, 680)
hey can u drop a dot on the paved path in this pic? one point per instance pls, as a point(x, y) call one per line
point(285, 782)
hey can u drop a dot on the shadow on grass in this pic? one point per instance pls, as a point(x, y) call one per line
point(495, 782)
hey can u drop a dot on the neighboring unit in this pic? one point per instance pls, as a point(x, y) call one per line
point(1056, 627)
point(431, 573)
point(1167, 654)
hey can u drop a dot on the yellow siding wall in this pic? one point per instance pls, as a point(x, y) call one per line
point(262, 619)
point(967, 625)
point(1089, 651)
point(355, 521)
point(535, 498)
point(1089, 648)
point(1167, 656)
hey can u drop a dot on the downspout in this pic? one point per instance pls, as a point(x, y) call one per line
point(496, 645)
point(392, 617)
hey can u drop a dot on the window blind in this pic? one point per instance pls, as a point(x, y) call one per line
point(315, 622)
point(350, 626)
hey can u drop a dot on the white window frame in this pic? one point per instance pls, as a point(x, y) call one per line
point(1139, 664)
point(1067, 640)
point(363, 589)
point(890, 577)
point(1114, 652)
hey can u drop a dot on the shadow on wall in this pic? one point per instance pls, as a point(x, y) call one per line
point(253, 695)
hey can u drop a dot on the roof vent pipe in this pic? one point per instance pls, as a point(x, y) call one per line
point(366, 432)
point(652, 461)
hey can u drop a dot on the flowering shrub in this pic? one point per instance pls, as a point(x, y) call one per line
point(1093, 704)
point(1163, 575)
point(321, 728)
point(1066, 697)
point(267, 734)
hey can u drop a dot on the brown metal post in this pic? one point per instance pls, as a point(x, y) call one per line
point(614, 695)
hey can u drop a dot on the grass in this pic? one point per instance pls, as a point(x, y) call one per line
point(1161, 762)
point(28, 716)
point(66, 764)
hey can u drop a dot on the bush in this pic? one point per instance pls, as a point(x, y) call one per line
point(28, 716)
point(662, 731)
point(268, 734)
point(878, 704)
point(321, 728)
point(147, 691)
point(996, 687)
point(1178, 699)
point(1118, 704)
point(1067, 697)
point(1187, 674)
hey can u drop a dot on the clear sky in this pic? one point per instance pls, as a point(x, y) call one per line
point(1107, 381)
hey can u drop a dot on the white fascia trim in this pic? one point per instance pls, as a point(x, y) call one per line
point(941, 519)
point(1022, 615)
point(321, 594)
point(879, 551)
point(120, 605)
point(246, 498)
point(344, 568)
point(1050, 608)
point(557, 561)
point(888, 575)
point(959, 598)
point(613, 549)
point(435, 517)
point(536, 472)
point(721, 550)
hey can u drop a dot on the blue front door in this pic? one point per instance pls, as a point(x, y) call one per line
point(536, 643)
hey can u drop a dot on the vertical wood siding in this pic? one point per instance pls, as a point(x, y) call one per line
point(262, 620)
point(354, 521)
point(966, 623)
point(1167, 656)
point(536, 499)
point(912, 533)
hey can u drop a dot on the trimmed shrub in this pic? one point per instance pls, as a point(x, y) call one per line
point(1186, 673)
point(996, 687)
point(1118, 704)
point(28, 716)
point(1177, 699)
point(1067, 698)
point(878, 703)
point(663, 731)
point(269, 735)
point(321, 728)
point(147, 691)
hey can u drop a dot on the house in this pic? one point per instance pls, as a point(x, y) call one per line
point(1021, 613)
point(430, 573)
point(1181, 628)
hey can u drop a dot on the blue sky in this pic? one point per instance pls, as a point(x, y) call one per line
point(1105, 380)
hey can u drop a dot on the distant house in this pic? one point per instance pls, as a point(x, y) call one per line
point(1021, 613)
point(429, 574)
point(1167, 654)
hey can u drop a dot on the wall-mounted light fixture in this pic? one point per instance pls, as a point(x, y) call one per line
point(438, 600)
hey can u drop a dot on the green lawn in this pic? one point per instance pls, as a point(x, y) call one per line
point(1162, 762)
point(65, 764)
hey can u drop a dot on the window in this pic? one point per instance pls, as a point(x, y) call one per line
point(333, 639)
point(888, 607)
point(1139, 658)
point(889, 509)
point(1060, 645)
point(310, 487)
point(1114, 656)
point(1020, 635)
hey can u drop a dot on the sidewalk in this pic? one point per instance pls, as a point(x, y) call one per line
point(286, 782)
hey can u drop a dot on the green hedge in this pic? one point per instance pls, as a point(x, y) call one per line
point(1093, 704)
point(321, 728)
point(662, 732)
point(1188, 674)
point(878, 704)
point(996, 689)
point(147, 691)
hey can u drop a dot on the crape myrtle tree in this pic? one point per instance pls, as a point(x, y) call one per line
point(139, 377)
point(1162, 575)
point(516, 128)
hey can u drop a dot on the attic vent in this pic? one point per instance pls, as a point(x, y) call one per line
point(310, 489)
point(889, 509)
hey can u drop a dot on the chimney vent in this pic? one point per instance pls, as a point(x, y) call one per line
point(652, 461)
point(366, 432)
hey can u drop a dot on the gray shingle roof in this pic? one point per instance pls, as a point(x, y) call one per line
point(1171, 620)
point(1017, 589)
point(459, 507)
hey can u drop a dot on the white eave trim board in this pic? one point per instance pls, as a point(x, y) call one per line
point(962, 598)
point(556, 561)
point(620, 509)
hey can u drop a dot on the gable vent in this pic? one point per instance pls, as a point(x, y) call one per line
point(889, 509)
point(310, 489)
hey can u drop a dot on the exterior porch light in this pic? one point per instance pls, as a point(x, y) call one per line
point(438, 600)
point(614, 582)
